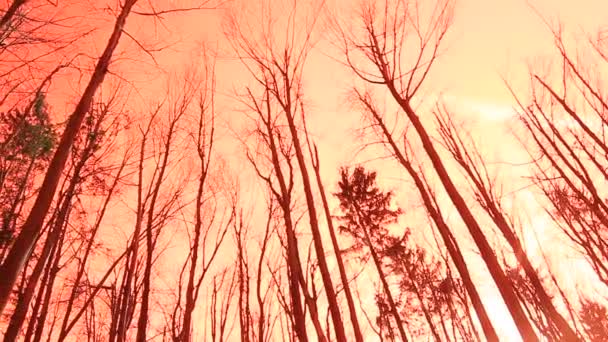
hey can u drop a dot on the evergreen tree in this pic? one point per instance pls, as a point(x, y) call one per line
point(27, 139)
point(594, 317)
point(366, 217)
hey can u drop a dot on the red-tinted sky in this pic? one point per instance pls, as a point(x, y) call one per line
point(489, 39)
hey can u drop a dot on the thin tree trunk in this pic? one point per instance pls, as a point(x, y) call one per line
point(314, 223)
point(142, 322)
point(363, 223)
point(38, 304)
point(443, 229)
point(20, 251)
point(492, 207)
point(87, 252)
point(425, 310)
point(293, 259)
point(204, 154)
point(10, 12)
point(334, 240)
point(46, 303)
point(190, 299)
point(294, 278)
point(23, 303)
point(244, 288)
point(544, 300)
point(386, 288)
point(123, 310)
point(502, 282)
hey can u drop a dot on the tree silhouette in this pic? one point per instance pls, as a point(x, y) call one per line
point(594, 317)
point(366, 217)
point(27, 140)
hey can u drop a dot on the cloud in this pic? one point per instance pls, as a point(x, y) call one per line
point(480, 109)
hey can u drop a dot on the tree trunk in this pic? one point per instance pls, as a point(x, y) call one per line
point(385, 286)
point(10, 12)
point(314, 226)
point(23, 303)
point(443, 229)
point(502, 282)
point(343, 277)
point(46, 302)
point(293, 259)
point(492, 206)
point(21, 249)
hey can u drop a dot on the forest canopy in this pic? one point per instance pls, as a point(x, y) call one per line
point(303, 171)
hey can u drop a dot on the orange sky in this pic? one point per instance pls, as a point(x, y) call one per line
point(488, 39)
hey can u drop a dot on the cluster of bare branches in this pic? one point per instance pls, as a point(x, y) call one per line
point(126, 221)
point(70, 265)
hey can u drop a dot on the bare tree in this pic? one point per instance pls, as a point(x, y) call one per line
point(486, 194)
point(21, 249)
point(429, 200)
point(278, 70)
point(564, 117)
point(281, 158)
point(222, 294)
point(314, 157)
point(207, 213)
point(382, 45)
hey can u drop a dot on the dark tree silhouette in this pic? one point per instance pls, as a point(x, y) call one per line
point(594, 317)
point(366, 217)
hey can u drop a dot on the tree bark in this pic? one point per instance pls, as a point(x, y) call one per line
point(314, 223)
point(502, 282)
point(10, 12)
point(332, 234)
point(491, 205)
point(22, 247)
point(443, 229)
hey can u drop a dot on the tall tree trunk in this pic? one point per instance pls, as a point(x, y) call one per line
point(21, 249)
point(151, 236)
point(490, 203)
point(502, 282)
point(32, 323)
point(23, 303)
point(10, 12)
point(385, 286)
point(544, 300)
point(204, 146)
point(443, 229)
point(313, 220)
point(310, 301)
point(41, 321)
point(334, 241)
point(142, 322)
point(293, 259)
point(190, 287)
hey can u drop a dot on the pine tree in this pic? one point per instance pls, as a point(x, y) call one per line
point(594, 317)
point(366, 216)
point(27, 139)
